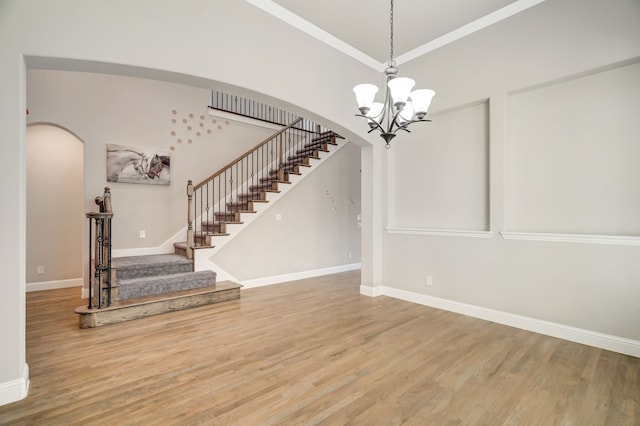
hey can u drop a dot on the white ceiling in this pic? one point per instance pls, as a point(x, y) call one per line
point(360, 28)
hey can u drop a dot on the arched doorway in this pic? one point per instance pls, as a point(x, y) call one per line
point(54, 211)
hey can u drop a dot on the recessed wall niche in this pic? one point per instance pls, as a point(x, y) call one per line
point(440, 173)
point(572, 154)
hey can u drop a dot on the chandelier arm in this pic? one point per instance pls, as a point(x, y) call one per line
point(395, 122)
point(418, 121)
point(378, 126)
point(404, 126)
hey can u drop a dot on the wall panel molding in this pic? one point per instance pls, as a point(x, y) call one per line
point(459, 107)
point(440, 232)
point(570, 151)
point(439, 176)
point(574, 76)
point(573, 238)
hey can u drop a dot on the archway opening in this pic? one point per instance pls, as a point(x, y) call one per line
point(54, 220)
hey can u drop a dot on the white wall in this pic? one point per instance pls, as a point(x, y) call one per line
point(320, 215)
point(452, 151)
point(197, 43)
point(106, 109)
point(318, 227)
point(55, 216)
point(585, 285)
point(572, 155)
point(561, 82)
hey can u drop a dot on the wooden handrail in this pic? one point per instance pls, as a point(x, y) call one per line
point(249, 151)
point(235, 188)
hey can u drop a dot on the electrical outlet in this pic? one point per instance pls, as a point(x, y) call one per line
point(349, 255)
point(429, 280)
point(143, 234)
point(40, 270)
point(278, 217)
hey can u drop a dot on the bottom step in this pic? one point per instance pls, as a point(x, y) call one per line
point(154, 305)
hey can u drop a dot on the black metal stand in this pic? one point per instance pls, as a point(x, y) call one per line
point(100, 271)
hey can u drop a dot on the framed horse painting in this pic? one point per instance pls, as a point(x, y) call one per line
point(131, 164)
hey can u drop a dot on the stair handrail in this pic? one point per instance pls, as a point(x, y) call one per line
point(249, 151)
point(265, 160)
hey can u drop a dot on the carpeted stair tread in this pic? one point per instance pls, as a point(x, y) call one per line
point(142, 266)
point(161, 284)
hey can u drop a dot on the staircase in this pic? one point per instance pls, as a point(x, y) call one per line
point(138, 276)
point(219, 207)
point(143, 286)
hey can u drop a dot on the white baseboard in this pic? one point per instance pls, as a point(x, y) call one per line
point(371, 291)
point(15, 390)
point(276, 279)
point(51, 285)
point(561, 331)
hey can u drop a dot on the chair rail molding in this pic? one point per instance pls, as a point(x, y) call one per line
point(439, 232)
point(618, 240)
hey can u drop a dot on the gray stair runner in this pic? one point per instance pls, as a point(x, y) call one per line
point(155, 285)
point(141, 276)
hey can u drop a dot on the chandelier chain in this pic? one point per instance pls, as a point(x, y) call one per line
point(391, 38)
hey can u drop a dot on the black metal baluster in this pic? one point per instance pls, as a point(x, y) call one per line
point(90, 270)
point(108, 261)
point(98, 269)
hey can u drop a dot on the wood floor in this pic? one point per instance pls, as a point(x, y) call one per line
point(312, 352)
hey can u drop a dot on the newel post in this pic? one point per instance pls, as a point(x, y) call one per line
point(190, 240)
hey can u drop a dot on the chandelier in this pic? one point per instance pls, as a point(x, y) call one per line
point(401, 106)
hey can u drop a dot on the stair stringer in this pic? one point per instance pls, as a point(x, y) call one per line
point(203, 255)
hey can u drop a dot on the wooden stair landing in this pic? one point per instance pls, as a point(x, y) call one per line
point(142, 307)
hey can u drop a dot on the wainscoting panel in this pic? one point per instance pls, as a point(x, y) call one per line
point(439, 175)
point(572, 153)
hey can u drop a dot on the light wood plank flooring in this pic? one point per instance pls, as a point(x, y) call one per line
point(312, 352)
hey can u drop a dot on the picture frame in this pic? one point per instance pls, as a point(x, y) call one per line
point(133, 164)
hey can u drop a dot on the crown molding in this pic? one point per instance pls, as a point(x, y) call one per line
point(307, 27)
